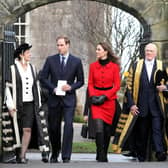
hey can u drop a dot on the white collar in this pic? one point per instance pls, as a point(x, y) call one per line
point(17, 62)
point(65, 56)
point(149, 62)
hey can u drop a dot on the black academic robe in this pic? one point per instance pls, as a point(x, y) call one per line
point(11, 132)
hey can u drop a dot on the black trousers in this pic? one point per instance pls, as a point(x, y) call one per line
point(54, 122)
point(141, 134)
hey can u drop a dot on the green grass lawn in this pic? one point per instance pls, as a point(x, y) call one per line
point(85, 147)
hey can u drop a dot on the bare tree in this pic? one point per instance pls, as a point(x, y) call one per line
point(100, 22)
point(126, 34)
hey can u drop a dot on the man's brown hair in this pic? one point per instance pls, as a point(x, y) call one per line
point(66, 39)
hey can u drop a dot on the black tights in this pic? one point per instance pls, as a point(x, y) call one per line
point(102, 127)
point(103, 134)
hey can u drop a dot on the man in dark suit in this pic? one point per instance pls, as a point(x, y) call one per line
point(62, 74)
point(144, 100)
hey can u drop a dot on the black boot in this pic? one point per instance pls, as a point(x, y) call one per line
point(107, 136)
point(106, 145)
point(100, 148)
point(97, 155)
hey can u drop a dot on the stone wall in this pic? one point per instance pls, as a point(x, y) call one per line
point(50, 21)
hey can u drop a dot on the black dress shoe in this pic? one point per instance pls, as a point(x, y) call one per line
point(161, 156)
point(141, 158)
point(53, 159)
point(102, 159)
point(66, 160)
point(129, 154)
point(45, 156)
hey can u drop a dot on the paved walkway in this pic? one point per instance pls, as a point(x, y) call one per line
point(86, 160)
point(76, 157)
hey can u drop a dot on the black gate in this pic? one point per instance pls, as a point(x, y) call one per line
point(6, 59)
point(8, 50)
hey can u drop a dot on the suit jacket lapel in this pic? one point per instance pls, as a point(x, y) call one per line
point(153, 72)
point(57, 65)
point(146, 73)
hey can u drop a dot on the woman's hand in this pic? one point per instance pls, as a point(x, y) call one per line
point(85, 118)
point(11, 112)
point(98, 100)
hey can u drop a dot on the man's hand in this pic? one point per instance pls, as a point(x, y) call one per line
point(134, 110)
point(66, 87)
point(161, 88)
point(55, 91)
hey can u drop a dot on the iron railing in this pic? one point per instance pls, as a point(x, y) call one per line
point(7, 47)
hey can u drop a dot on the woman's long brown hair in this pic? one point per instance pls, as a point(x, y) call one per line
point(110, 53)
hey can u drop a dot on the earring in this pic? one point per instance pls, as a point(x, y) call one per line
point(23, 61)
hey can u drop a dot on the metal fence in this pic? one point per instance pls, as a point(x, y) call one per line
point(7, 47)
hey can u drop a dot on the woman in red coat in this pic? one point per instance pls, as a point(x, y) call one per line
point(103, 84)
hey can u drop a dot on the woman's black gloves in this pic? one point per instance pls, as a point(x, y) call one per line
point(98, 100)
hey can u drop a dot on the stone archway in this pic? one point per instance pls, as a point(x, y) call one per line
point(152, 15)
point(155, 23)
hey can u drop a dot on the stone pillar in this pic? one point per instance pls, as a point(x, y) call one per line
point(164, 52)
point(160, 37)
point(145, 39)
point(156, 16)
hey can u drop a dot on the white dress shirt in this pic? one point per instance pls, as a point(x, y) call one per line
point(149, 67)
point(65, 56)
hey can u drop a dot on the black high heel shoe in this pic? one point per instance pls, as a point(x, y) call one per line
point(45, 156)
point(22, 161)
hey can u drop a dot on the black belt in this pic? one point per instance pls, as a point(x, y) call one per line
point(103, 88)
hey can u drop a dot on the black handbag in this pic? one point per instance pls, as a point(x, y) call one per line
point(98, 100)
point(84, 131)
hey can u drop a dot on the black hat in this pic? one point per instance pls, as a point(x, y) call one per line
point(21, 49)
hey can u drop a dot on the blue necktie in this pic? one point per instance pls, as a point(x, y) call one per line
point(62, 63)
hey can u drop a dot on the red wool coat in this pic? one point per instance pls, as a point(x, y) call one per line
point(104, 77)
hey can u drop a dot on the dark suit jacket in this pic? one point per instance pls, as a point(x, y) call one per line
point(51, 73)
